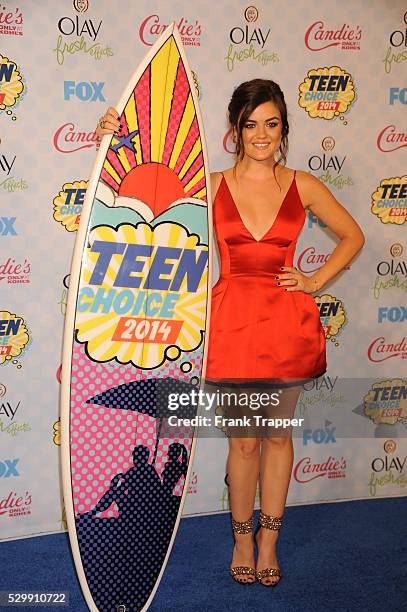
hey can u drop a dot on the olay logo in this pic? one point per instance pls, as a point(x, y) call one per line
point(390, 139)
point(318, 37)
point(67, 139)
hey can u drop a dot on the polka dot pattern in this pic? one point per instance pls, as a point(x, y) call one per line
point(126, 504)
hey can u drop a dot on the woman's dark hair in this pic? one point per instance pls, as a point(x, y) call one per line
point(245, 99)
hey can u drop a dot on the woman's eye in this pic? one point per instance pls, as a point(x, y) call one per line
point(249, 125)
point(272, 125)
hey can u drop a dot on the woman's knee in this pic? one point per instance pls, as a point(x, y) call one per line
point(278, 442)
point(246, 448)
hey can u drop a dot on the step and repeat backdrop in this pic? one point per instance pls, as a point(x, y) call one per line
point(342, 68)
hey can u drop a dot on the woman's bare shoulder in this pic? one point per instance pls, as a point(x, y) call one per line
point(309, 187)
point(216, 178)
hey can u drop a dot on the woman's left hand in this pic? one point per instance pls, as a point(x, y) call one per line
point(293, 280)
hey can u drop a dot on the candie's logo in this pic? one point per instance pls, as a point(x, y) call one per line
point(389, 201)
point(319, 37)
point(15, 272)
point(386, 401)
point(310, 260)
point(68, 204)
point(390, 139)
point(327, 93)
point(379, 350)
point(307, 470)
point(67, 139)
point(12, 88)
point(14, 337)
point(151, 27)
point(11, 20)
point(332, 315)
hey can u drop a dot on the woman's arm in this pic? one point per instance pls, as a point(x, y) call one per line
point(321, 202)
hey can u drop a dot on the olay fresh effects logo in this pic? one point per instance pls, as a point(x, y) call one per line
point(14, 338)
point(10, 412)
point(69, 139)
point(151, 28)
point(332, 315)
point(391, 139)
point(68, 204)
point(380, 349)
point(397, 51)
point(248, 42)
point(319, 36)
point(389, 200)
point(328, 167)
point(14, 504)
point(8, 183)
point(327, 93)
point(388, 469)
point(308, 470)
point(391, 272)
point(12, 86)
point(14, 272)
point(11, 20)
point(386, 402)
point(84, 33)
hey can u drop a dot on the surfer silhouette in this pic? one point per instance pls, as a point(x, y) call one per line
point(174, 468)
point(129, 489)
point(124, 488)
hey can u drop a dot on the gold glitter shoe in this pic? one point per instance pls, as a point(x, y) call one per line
point(243, 570)
point(274, 523)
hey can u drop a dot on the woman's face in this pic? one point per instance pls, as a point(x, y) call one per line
point(261, 134)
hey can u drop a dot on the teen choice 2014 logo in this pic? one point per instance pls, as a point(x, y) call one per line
point(143, 292)
point(327, 93)
point(68, 204)
point(14, 337)
point(12, 86)
point(386, 401)
point(389, 201)
point(332, 315)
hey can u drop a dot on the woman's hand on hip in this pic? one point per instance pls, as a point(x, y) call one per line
point(293, 280)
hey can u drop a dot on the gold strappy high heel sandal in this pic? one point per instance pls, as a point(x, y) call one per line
point(243, 570)
point(274, 523)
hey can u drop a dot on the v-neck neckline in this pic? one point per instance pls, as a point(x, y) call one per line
point(275, 218)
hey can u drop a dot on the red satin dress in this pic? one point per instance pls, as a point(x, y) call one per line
point(258, 330)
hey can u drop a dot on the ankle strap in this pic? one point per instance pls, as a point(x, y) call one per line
point(270, 522)
point(245, 527)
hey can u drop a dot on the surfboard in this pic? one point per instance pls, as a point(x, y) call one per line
point(134, 336)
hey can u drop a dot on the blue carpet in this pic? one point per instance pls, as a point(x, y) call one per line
point(335, 557)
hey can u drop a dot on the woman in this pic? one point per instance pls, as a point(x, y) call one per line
point(265, 326)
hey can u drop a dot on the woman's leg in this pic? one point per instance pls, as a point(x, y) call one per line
point(243, 466)
point(276, 463)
